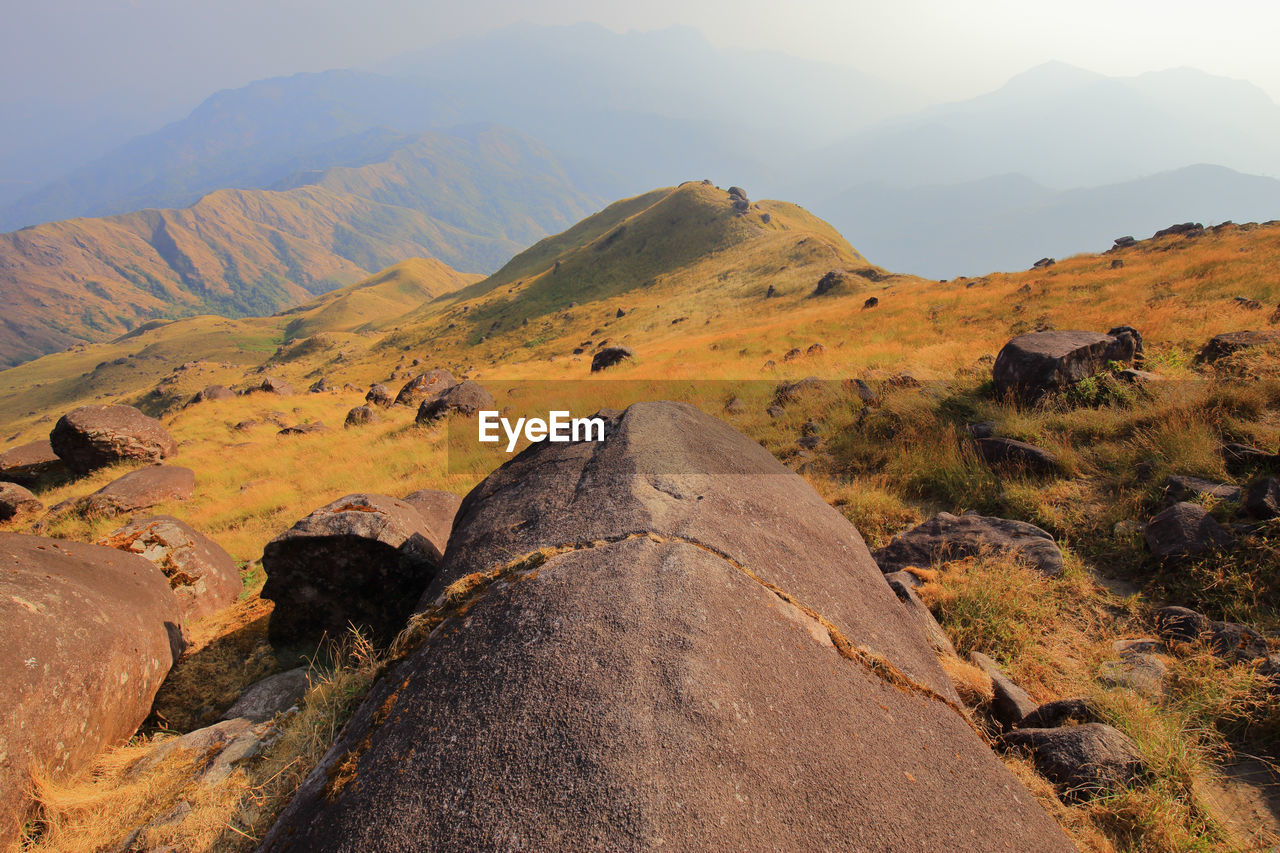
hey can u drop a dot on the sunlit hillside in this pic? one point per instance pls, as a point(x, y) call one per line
point(701, 289)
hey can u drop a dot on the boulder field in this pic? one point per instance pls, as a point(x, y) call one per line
point(662, 639)
point(89, 634)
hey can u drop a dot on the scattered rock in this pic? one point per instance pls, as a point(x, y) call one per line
point(16, 500)
point(211, 392)
point(362, 560)
point(982, 429)
point(304, 429)
point(202, 576)
point(1185, 530)
point(1061, 712)
point(1124, 242)
point(89, 634)
point(1140, 672)
point(1142, 645)
point(1008, 454)
point(815, 350)
point(465, 398)
point(28, 464)
point(1044, 263)
point(97, 436)
point(1039, 363)
point(1262, 498)
point(219, 748)
point(271, 385)
point(621, 313)
point(1181, 488)
point(952, 537)
point(361, 416)
point(379, 395)
point(1117, 264)
point(735, 406)
point(1236, 642)
point(831, 282)
point(139, 490)
point(789, 392)
point(1229, 343)
point(1248, 304)
point(871, 302)
point(320, 386)
point(1189, 228)
point(425, 386)
point(542, 670)
point(1181, 624)
point(773, 291)
point(610, 356)
point(1010, 702)
point(1240, 458)
point(864, 392)
point(1084, 761)
point(438, 509)
point(272, 695)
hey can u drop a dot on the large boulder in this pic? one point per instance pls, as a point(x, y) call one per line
point(438, 510)
point(211, 392)
point(1083, 761)
point(16, 500)
point(953, 537)
point(28, 463)
point(203, 576)
point(1039, 363)
point(362, 560)
point(1185, 530)
point(96, 436)
point(663, 638)
point(610, 356)
point(139, 490)
point(424, 386)
point(465, 398)
point(1230, 343)
point(379, 395)
point(89, 634)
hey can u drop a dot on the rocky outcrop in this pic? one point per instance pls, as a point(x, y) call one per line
point(27, 464)
point(1179, 488)
point(1039, 363)
point(953, 537)
point(379, 395)
point(465, 398)
point(1009, 702)
point(610, 356)
point(361, 416)
point(96, 436)
point(202, 576)
point(211, 392)
point(424, 386)
point(272, 695)
point(89, 634)
point(663, 638)
point(1229, 343)
point(362, 560)
point(1185, 530)
point(271, 385)
point(139, 490)
point(1008, 455)
point(1083, 761)
point(438, 510)
point(16, 501)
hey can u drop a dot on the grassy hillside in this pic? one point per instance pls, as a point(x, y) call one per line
point(692, 276)
point(468, 201)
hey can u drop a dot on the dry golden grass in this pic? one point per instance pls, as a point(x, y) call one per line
point(885, 465)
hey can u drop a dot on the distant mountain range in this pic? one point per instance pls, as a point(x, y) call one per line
point(1007, 222)
point(375, 166)
point(470, 200)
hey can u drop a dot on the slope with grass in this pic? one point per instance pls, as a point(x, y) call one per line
point(691, 277)
point(470, 201)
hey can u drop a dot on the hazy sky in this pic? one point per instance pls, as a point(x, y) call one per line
point(174, 52)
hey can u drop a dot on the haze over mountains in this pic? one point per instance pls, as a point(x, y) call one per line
point(1059, 160)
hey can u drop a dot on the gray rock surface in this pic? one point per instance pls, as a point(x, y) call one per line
point(272, 695)
point(96, 436)
point(1083, 761)
point(465, 398)
point(89, 634)
point(667, 672)
point(424, 386)
point(1016, 457)
point(1039, 363)
point(27, 464)
point(438, 509)
point(202, 576)
point(16, 501)
point(139, 490)
point(1179, 488)
point(1185, 530)
point(1010, 703)
point(363, 560)
point(952, 537)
